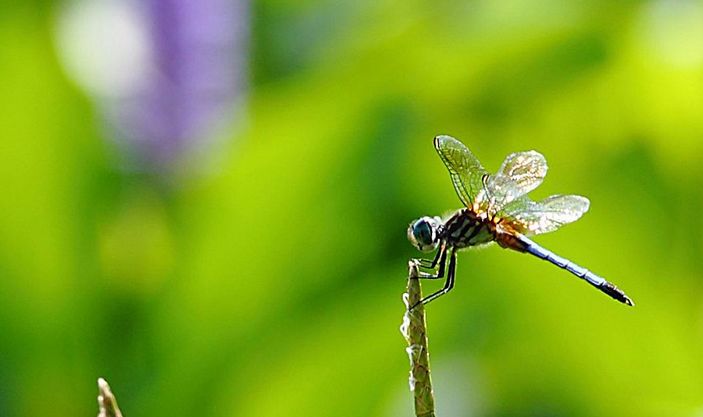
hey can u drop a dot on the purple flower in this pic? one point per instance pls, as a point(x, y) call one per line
point(191, 82)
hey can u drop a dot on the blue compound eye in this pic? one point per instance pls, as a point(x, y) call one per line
point(423, 234)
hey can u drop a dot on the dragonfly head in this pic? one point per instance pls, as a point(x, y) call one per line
point(423, 233)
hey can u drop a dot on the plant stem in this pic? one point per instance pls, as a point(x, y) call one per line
point(414, 331)
point(106, 401)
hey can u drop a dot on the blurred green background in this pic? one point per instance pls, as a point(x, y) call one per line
point(266, 279)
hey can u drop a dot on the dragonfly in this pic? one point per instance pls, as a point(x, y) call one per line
point(497, 209)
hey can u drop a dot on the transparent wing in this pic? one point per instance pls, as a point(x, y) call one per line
point(537, 217)
point(464, 168)
point(520, 173)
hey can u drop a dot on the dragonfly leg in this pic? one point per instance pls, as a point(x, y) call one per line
point(442, 256)
point(426, 263)
point(451, 273)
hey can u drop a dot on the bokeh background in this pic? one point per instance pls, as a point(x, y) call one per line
point(205, 202)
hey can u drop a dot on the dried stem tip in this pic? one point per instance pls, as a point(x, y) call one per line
point(106, 401)
point(414, 331)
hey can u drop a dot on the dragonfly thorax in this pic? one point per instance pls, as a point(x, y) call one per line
point(466, 228)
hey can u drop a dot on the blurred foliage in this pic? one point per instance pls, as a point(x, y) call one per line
point(271, 286)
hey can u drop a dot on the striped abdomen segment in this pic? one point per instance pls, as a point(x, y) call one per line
point(581, 272)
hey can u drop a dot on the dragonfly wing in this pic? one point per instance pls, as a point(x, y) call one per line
point(537, 217)
point(520, 173)
point(464, 168)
